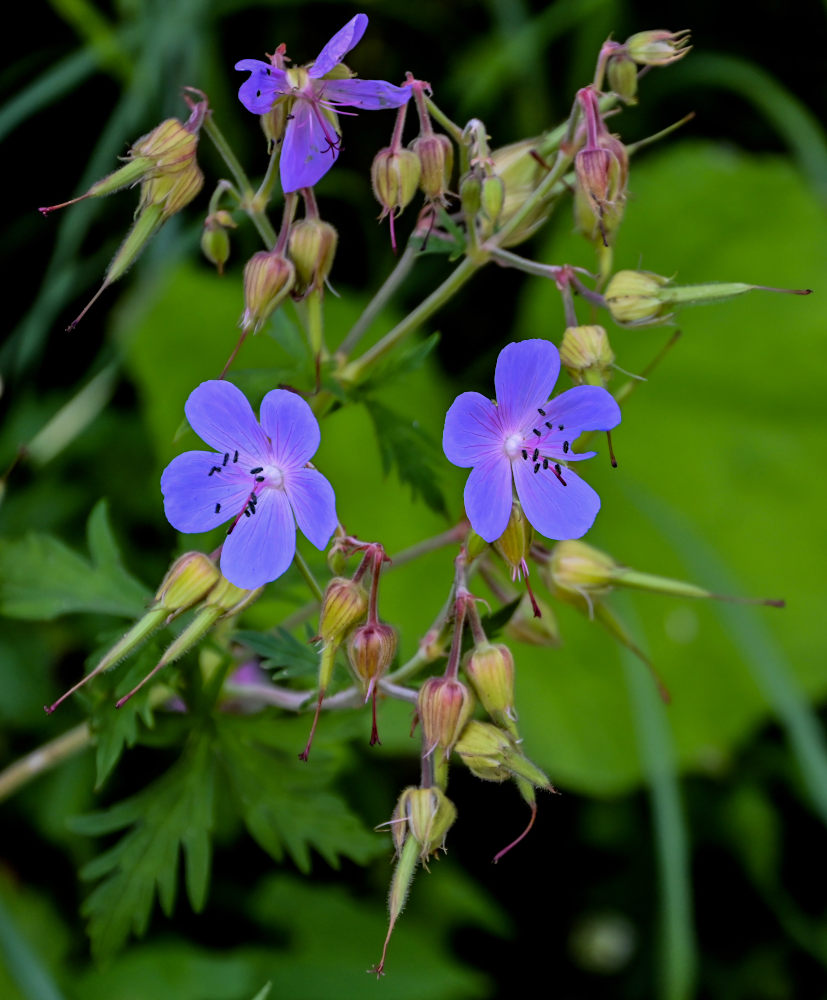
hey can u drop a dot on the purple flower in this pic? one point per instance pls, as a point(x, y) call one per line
point(257, 476)
point(526, 439)
point(311, 139)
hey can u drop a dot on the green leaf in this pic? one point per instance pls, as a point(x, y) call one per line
point(408, 359)
point(174, 812)
point(403, 444)
point(282, 652)
point(41, 578)
point(287, 805)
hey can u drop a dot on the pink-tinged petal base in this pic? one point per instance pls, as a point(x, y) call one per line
point(524, 377)
point(314, 505)
point(555, 510)
point(472, 430)
point(261, 547)
point(191, 494)
point(291, 426)
point(488, 497)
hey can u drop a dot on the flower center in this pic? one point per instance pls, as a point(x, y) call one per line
point(512, 445)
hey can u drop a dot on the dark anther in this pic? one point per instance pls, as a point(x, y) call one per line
point(226, 458)
point(253, 499)
point(218, 508)
point(548, 424)
point(535, 431)
point(557, 468)
point(565, 447)
point(215, 468)
point(525, 453)
point(258, 93)
point(536, 453)
point(230, 529)
point(251, 509)
point(258, 468)
point(536, 467)
point(541, 412)
point(259, 479)
point(246, 511)
point(235, 457)
point(545, 463)
point(559, 427)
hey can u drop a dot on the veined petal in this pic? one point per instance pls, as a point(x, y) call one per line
point(372, 95)
point(220, 415)
point(555, 510)
point(265, 85)
point(314, 505)
point(472, 431)
point(291, 426)
point(310, 148)
point(192, 494)
point(339, 46)
point(584, 408)
point(488, 497)
point(524, 377)
point(261, 547)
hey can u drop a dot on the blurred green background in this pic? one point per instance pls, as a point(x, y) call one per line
point(682, 859)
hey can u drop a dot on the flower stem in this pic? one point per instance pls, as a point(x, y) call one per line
point(378, 302)
point(450, 127)
point(309, 579)
point(44, 758)
point(356, 369)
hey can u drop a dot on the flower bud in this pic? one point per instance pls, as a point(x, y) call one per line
point(658, 48)
point(622, 74)
point(312, 247)
point(515, 542)
point(475, 545)
point(493, 198)
point(444, 706)
point(215, 240)
point(602, 174)
point(344, 606)
point(633, 298)
point(490, 669)
point(428, 815)
point(586, 355)
point(188, 581)
point(394, 176)
point(371, 649)
point(436, 157)
point(275, 121)
point(172, 190)
point(491, 754)
point(575, 567)
point(470, 194)
point(268, 279)
point(171, 146)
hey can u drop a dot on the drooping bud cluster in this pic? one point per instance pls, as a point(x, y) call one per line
point(601, 169)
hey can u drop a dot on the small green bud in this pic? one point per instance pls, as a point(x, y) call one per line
point(490, 669)
point(444, 706)
point(493, 198)
point(268, 279)
point(633, 298)
point(475, 545)
point(622, 75)
point(215, 239)
point(371, 649)
point(515, 542)
point(275, 121)
point(470, 194)
point(491, 754)
point(188, 581)
point(586, 355)
point(428, 815)
point(312, 247)
point(575, 568)
point(394, 176)
point(344, 606)
point(658, 48)
point(436, 157)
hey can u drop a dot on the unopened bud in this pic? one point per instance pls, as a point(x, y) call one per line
point(490, 669)
point(633, 298)
point(344, 606)
point(493, 198)
point(275, 121)
point(586, 355)
point(515, 542)
point(171, 146)
point(602, 175)
point(475, 545)
point(521, 172)
point(312, 247)
point(658, 48)
point(577, 568)
point(622, 74)
point(172, 191)
point(371, 649)
point(188, 581)
point(444, 706)
point(426, 814)
point(491, 754)
point(215, 239)
point(436, 157)
point(394, 176)
point(268, 278)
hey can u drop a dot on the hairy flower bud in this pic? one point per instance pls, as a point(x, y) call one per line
point(602, 174)
point(344, 606)
point(586, 355)
point(515, 542)
point(633, 298)
point(490, 669)
point(658, 48)
point(371, 649)
point(188, 581)
point(491, 754)
point(215, 239)
point(621, 71)
point(444, 706)
point(575, 567)
point(312, 247)
point(436, 157)
point(394, 176)
point(268, 278)
point(426, 814)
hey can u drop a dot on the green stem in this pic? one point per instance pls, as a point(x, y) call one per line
point(262, 196)
point(314, 317)
point(44, 758)
point(354, 371)
point(378, 302)
point(450, 127)
point(309, 579)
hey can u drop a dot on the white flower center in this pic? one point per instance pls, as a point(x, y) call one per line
point(273, 477)
point(512, 445)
